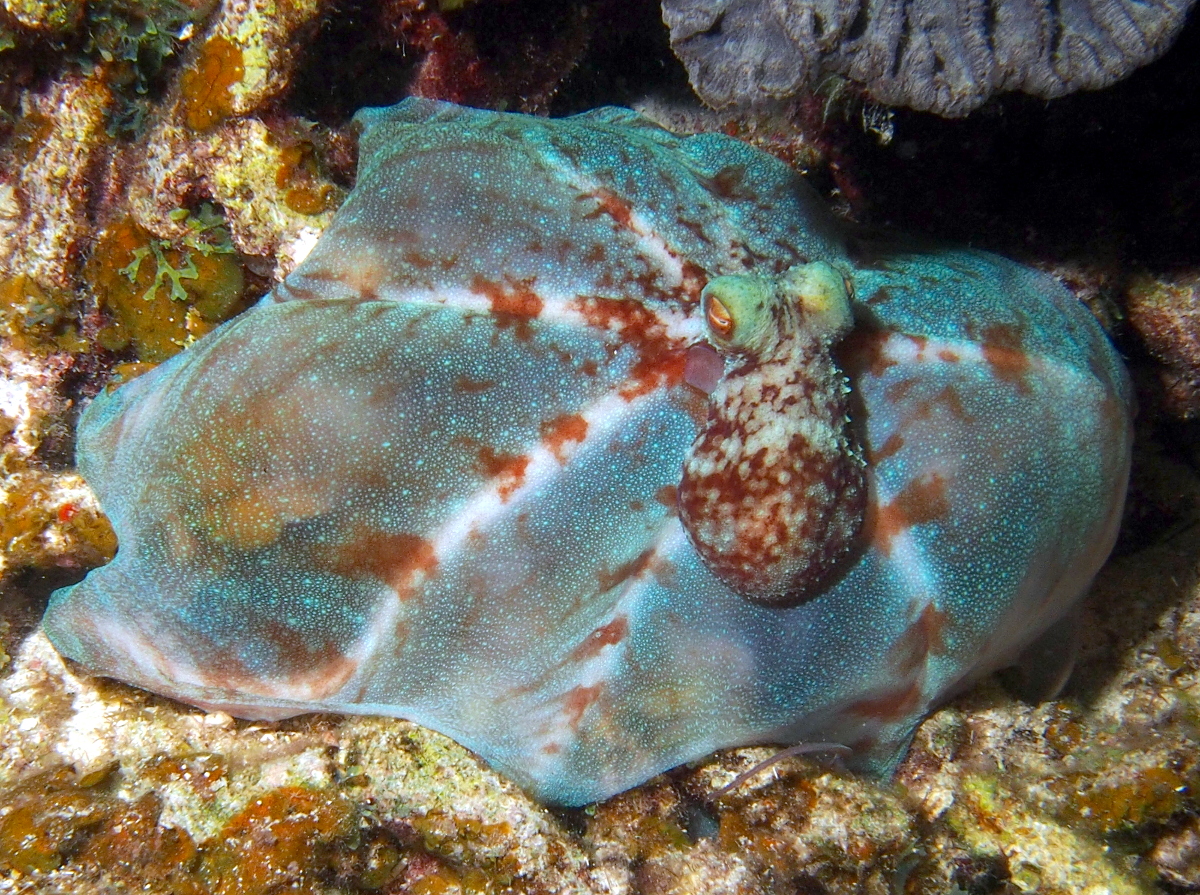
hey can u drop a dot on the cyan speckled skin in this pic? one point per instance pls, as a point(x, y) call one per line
point(433, 474)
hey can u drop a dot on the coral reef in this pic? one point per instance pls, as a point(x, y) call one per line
point(162, 294)
point(46, 15)
point(996, 795)
point(56, 152)
point(946, 59)
point(1166, 314)
point(49, 518)
point(105, 789)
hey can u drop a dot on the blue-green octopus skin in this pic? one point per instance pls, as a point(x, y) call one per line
point(436, 473)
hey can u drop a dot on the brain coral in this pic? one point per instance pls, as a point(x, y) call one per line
point(943, 56)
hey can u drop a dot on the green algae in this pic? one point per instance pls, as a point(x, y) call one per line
point(163, 294)
point(138, 37)
point(134, 42)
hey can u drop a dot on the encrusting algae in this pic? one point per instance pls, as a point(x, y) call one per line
point(206, 87)
point(164, 294)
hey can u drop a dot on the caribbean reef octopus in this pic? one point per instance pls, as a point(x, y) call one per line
point(597, 449)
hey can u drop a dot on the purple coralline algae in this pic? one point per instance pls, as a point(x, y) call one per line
point(599, 449)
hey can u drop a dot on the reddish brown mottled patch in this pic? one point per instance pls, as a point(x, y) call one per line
point(579, 700)
point(693, 227)
point(396, 558)
point(514, 305)
point(420, 260)
point(551, 748)
point(595, 255)
point(522, 530)
point(607, 580)
point(949, 397)
point(889, 448)
point(668, 496)
point(864, 352)
point(634, 321)
point(311, 671)
point(891, 706)
point(660, 361)
point(922, 500)
point(898, 391)
point(654, 370)
point(1005, 354)
point(476, 538)
point(663, 571)
point(880, 296)
point(609, 203)
point(410, 555)
point(570, 428)
point(694, 281)
point(469, 386)
point(563, 251)
point(950, 357)
point(316, 671)
point(509, 467)
point(589, 367)
point(606, 635)
point(798, 533)
point(730, 183)
point(924, 636)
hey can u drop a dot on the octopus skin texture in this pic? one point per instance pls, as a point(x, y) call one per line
point(597, 449)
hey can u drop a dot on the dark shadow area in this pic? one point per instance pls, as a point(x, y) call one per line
point(1113, 624)
point(1101, 188)
point(629, 57)
point(356, 59)
point(26, 593)
point(1109, 177)
point(541, 56)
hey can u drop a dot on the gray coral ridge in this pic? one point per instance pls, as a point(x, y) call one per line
point(942, 56)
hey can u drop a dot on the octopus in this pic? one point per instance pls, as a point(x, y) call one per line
point(599, 449)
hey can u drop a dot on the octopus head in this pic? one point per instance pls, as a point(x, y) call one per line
point(773, 490)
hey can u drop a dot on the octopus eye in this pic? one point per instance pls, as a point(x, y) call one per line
point(719, 318)
point(825, 294)
point(738, 313)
